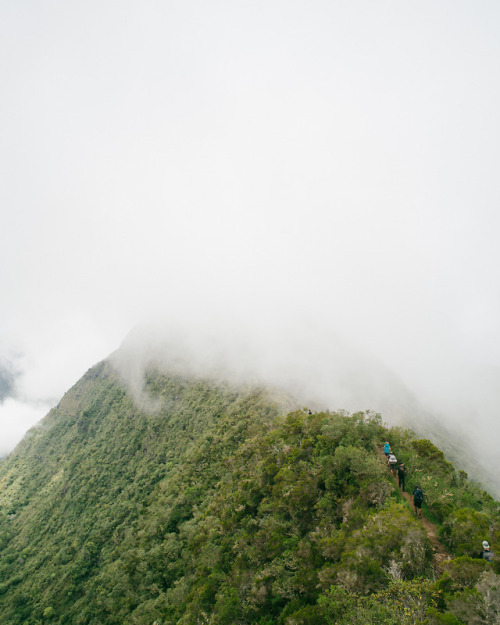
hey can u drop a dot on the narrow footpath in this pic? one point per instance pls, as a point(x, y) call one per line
point(440, 553)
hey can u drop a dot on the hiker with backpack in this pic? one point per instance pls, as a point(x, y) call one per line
point(418, 497)
point(401, 476)
point(387, 449)
point(486, 553)
point(392, 462)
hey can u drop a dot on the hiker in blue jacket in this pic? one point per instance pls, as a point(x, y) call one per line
point(387, 450)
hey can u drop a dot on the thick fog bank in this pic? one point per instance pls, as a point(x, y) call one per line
point(320, 370)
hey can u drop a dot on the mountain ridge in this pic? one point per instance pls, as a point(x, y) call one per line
point(207, 502)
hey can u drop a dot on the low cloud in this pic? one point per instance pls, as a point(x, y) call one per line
point(16, 417)
point(294, 183)
point(316, 366)
point(323, 371)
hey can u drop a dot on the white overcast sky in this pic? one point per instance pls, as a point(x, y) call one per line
point(328, 163)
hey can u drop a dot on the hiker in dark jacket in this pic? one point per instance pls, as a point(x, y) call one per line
point(486, 553)
point(418, 497)
point(401, 476)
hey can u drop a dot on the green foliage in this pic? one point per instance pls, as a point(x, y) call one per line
point(461, 573)
point(213, 508)
point(390, 544)
point(467, 605)
point(396, 606)
point(434, 456)
point(48, 613)
point(437, 618)
point(445, 490)
point(465, 531)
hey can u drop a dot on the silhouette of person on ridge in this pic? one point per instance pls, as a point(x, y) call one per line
point(418, 497)
point(401, 476)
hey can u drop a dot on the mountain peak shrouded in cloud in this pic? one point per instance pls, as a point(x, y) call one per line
point(313, 187)
point(301, 363)
point(313, 363)
point(316, 368)
point(221, 506)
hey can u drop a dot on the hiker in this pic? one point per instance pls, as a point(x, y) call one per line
point(387, 449)
point(486, 553)
point(392, 462)
point(418, 497)
point(401, 476)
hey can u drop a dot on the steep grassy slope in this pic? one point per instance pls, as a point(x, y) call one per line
point(78, 482)
point(214, 508)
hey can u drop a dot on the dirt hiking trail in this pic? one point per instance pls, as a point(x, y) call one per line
point(440, 553)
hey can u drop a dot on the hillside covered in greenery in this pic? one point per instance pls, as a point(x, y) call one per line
point(214, 506)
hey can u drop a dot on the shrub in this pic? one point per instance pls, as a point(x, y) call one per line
point(465, 531)
point(391, 535)
point(460, 573)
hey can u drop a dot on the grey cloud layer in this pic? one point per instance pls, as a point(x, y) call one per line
point(264, 163)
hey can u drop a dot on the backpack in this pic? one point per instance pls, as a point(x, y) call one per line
point(393, 459)
point(418, 496)
point(488, 556)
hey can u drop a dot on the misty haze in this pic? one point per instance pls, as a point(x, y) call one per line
point(243, 245)
point(309, 192)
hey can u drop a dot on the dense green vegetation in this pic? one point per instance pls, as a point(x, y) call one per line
point(217, 508)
